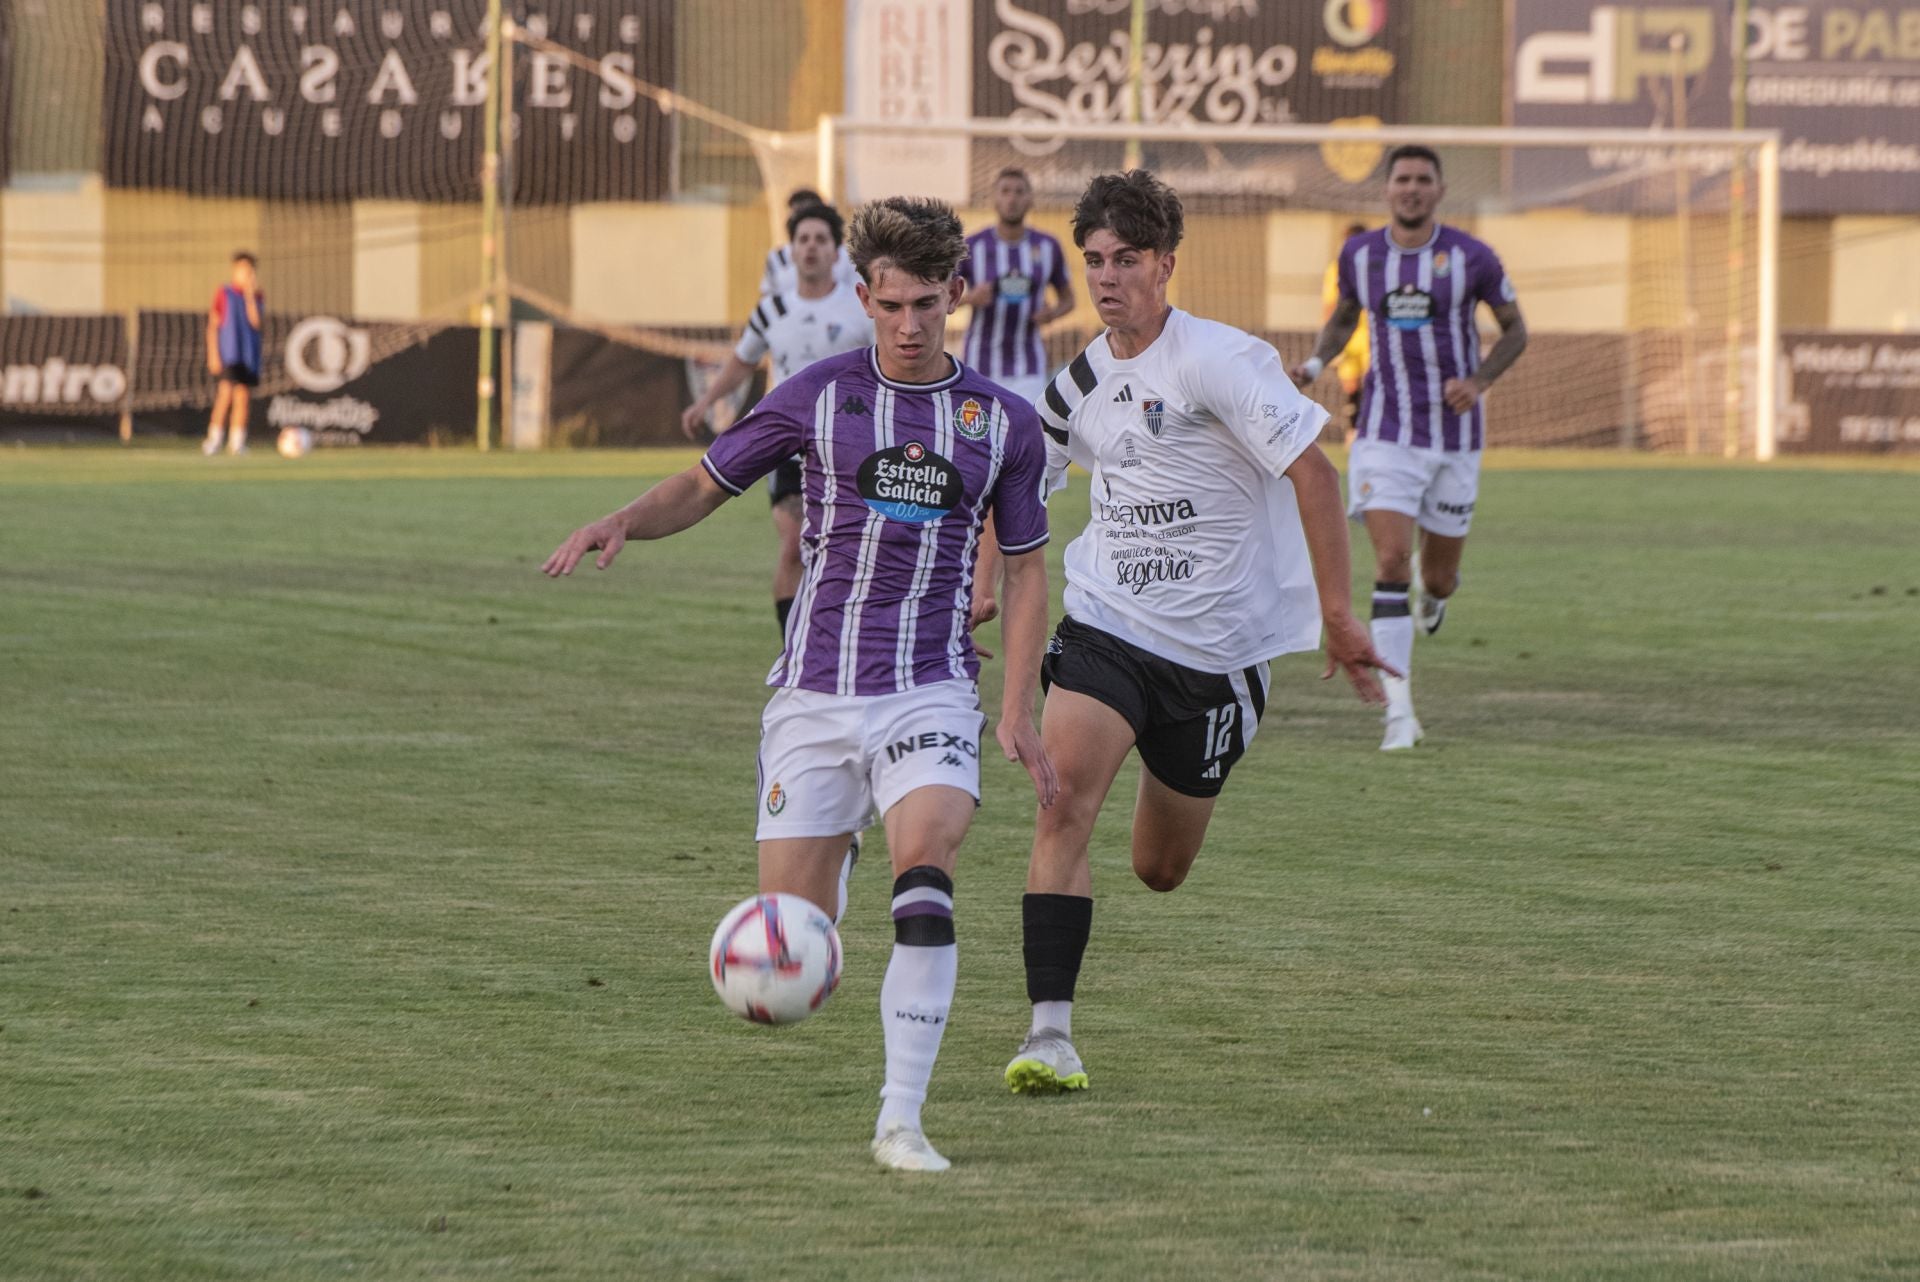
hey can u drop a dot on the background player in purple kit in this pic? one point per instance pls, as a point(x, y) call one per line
point(1009, 269)
point(905, 453)
point(1416, 452)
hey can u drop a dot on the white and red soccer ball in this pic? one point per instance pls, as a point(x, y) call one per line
point(775, 959)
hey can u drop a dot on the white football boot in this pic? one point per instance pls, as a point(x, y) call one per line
point(1432, 613)
point(1046, 1064)
point(1403, 728)
point(903, 1148)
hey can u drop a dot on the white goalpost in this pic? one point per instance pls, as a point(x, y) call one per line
point(1646, 261)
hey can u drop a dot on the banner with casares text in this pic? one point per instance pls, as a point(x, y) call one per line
point(353, 99)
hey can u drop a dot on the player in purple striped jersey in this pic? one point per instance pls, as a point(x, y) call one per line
point(905, 454)
point(1009, 269)
point(1415, 463)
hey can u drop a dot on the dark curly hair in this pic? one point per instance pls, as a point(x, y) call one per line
point(918, 234)
point(827, 214)
point(1135, 206)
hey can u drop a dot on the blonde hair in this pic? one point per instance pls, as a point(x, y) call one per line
point(917, 234)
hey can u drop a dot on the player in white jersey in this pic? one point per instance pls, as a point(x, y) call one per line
point(1414, 470)
point(816, 319)
point(1217, 543)
point(782, 273)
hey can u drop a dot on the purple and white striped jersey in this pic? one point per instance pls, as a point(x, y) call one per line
point(898, 478)
point(1419, 306)
point(1002, 340)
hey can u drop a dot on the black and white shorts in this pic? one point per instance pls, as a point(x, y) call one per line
point(1190, 726)
point(785, 481)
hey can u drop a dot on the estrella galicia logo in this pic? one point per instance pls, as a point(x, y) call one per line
point(909, 483)
point(970, 420)
point(853, 405)
point(1409, 308)
point(1156, 411)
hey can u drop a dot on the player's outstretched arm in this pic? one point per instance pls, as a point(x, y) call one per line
point(1316, 488)
point(680, 501)
point(1332, 341)
point(1023, 630)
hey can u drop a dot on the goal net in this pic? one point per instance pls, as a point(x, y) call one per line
point(1642, 260)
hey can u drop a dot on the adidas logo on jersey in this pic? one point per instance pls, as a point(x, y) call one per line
point(1125, 395)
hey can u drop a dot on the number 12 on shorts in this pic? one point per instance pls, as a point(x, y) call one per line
point(1220, 731)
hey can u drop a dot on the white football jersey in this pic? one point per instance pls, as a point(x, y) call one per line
point(1195, 550)
point(782, 277)
point(798, 331)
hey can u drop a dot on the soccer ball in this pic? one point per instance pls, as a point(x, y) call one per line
point(775, 959)
point(294, 442)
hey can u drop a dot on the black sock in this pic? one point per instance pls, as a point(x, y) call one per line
point(782, 607)
point(1390, 600)
point(1055, 929)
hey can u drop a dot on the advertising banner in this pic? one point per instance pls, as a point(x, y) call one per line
point(353, 98)
point(348, 382)
point(1847, 392)
point(1841, 82)
point(908, 62)
point(64, 374)
point(1220, 63)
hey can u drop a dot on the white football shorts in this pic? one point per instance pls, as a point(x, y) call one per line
point(1436, 488)
point(830, 763)
point(1028, 387)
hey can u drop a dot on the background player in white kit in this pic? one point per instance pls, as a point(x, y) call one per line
point(782, 273)
point(1009, 270)
point(876, 707)
point(816, 318)
point(1217, 542)
point(1419, 432)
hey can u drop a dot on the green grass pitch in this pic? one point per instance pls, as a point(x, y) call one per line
point(355, 883)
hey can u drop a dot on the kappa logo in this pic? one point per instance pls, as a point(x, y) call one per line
point(949, 759)
point(776, 799)
point(969, 420)
point(1156, 413)
point(854, 405)
point(1125, 395)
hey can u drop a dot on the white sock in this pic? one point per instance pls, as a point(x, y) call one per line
point(917, 992)
point(1055, 1015)
point(846, 872)
point(1392, 625)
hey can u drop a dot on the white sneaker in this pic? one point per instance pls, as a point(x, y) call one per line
point(1046, 1064)
point(211, 446)
point(904, 1149)
point(1432, 613)
point(1403, 728)
point(1402, 732)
